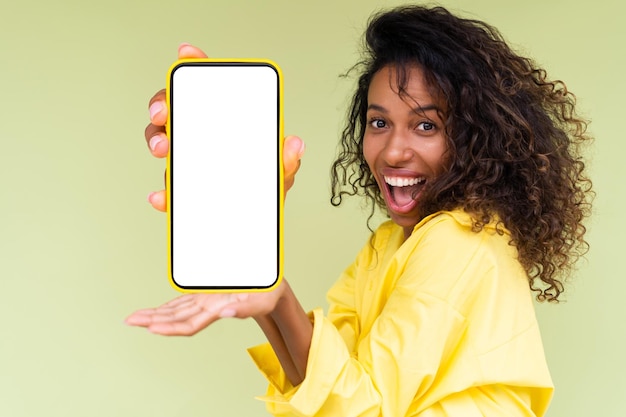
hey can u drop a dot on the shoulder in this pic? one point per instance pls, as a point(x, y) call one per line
point(453, 230)
point(445, 232)
point(447, 257)
point(460, 221)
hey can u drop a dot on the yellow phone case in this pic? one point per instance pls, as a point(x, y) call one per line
point(189, 269)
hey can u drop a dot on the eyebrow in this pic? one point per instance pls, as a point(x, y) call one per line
point(418, 109)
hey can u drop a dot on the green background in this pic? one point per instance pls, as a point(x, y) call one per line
point(81, 248)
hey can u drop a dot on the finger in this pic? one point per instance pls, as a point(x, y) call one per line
point(185, 328)
point(293, 149)
point(157, 140)
point(143, 311)
point(157, 106)
point(158, 109)
point(152, 130)
point(184, 306)
point(143, 317)
point(148, 317)
point(189, 51)
point(180, 314)
point(166, 309)
point(183, 299)
point(158, 200)
point(288, 184)
point(138, 318)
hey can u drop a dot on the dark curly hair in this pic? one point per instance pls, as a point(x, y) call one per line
point(514, 139)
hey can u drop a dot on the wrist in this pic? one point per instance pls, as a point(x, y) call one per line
point(278, 298)
point(283, 296)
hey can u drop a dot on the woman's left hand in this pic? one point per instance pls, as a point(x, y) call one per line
point(188, 314)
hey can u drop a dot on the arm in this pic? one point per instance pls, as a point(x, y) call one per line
point(392, 365)
point(289, 331)
point(450, 320)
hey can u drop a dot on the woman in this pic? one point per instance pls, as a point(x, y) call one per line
point(473, 154)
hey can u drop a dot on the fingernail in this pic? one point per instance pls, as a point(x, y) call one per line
point(155, 108)
point(154, 141)
point(182, 45)
point(150, 197)
point(227, 312)
point(302, 148)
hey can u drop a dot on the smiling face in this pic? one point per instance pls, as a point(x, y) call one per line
point(404, 142)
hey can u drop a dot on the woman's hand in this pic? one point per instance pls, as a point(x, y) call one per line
point(277, 312)
point(293, 147)
point(190, 313)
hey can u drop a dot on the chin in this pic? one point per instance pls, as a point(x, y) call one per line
point(405, 221)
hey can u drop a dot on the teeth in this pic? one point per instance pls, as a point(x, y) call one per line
point(403, 181)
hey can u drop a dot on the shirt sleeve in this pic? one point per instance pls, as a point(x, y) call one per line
point(488, 400)
point(381, 379)
point(417, 359)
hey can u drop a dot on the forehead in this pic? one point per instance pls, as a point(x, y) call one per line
point(405, 83)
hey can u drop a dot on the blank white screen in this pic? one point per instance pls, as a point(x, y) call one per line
point(224, 178)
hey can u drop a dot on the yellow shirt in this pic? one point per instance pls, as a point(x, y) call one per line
point(441, 324)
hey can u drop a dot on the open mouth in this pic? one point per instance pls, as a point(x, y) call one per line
point(403, 191)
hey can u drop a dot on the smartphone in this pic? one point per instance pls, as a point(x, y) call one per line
point(224, 175)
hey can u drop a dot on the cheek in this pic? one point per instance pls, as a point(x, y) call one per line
point(438, 158)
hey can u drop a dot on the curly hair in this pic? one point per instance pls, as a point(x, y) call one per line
point(514, 138)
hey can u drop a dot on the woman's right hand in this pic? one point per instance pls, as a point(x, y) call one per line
point(159, 145)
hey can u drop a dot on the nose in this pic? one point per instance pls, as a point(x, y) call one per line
point(398, 149)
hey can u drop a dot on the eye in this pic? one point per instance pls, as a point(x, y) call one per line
point(426, 126)
point(377, 123)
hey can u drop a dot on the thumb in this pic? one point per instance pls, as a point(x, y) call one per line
point(293, 149)
point(186, 50)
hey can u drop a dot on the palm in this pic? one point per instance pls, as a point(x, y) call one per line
point(190, 313)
